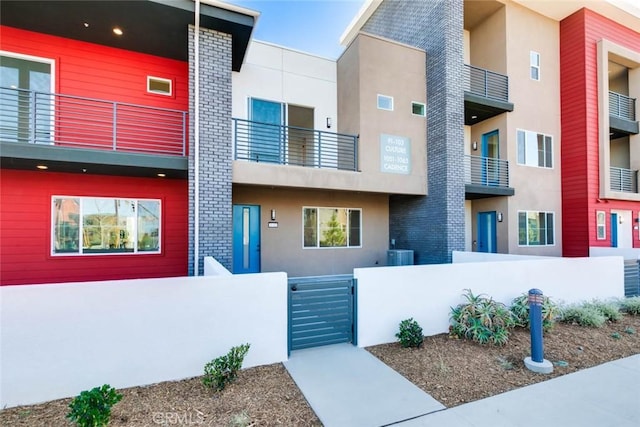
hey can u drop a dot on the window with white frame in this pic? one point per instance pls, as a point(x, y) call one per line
point(159, 86)
point(534, 65)
point(601, 225)
point(331, 227)
point(385, 102)
point(98, 225)
point(534, 149)
point(536, 228)
point(418, 109)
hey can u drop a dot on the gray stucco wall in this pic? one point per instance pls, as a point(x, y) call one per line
point(215, 148)
point(433, 226)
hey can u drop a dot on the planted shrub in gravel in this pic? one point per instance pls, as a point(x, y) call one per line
point(481, 319)
point(410, 334)
point(224, 369)
point(610, 310)
point(583, 315)
point(93, 408)
point(520, 309)
point(631, 306)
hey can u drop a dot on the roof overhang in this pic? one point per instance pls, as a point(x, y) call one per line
point(155, 27)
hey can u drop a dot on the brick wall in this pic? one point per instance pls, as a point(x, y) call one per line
point(432, 226)
point(215, 148)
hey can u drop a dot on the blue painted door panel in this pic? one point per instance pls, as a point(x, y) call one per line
point(614, 230)
point(267, 136)
point(486, 241)
point(246, 239)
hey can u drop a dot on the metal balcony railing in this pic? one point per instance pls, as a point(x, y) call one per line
point(486, 171)
point(289, 145)
point(622, 106)
point(624, 180)
point(486, 83)
point(71, 121)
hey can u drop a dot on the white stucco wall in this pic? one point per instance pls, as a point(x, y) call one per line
point(388, 295)
point(60, 339)
point(280, 74)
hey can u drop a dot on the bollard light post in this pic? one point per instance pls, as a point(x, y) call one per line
point(536, 362)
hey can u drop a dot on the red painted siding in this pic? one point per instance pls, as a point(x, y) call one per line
point(579, 34)
point(96, 71)
point(25, 221)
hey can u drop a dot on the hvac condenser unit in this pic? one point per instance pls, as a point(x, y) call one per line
point(399, 257)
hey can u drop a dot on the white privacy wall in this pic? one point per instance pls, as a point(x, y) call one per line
point(387, 295)
point(60, 339)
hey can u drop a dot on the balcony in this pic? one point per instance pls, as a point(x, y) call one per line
point(288, 145)
point(67, 133)
point(624, 180)
point(486, 177)
point(486, 94)
point(622, 116)
point(75, 122)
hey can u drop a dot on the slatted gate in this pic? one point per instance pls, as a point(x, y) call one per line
point(631, 278)
point(320, 311)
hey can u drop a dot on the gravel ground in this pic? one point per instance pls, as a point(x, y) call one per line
point(452, 371)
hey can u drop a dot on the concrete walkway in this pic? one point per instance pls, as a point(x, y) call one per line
point(347, 386)
point(607, 395)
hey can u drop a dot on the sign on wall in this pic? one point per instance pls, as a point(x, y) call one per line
point(395, 154)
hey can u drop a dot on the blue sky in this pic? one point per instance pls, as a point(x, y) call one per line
point(313, 26)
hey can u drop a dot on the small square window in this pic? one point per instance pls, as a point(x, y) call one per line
point(418, 109)
point(159, 86)
point(385, 102)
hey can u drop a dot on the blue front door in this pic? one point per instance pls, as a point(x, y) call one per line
point(614, 230)
point(490, 153)
point(487, 232)
point(267, 133)
point(246, 239)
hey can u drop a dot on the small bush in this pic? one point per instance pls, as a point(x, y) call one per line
point(583, 315)
point(224, 369)
point(609, 310)
point(481, 319)
point(93, 408)
point(410, 334)
point(520, 310)
point(631, 306)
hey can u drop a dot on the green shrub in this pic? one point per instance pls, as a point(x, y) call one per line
point(610, 310)
point(481, 319)
point(224, 369)
point(93, 408)
point(410, 334)
point(520, 309)
point(583, 315)
point(631, 306)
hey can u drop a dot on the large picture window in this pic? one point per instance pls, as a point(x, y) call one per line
point(536, 228)
point(535, 149)
point(84, 225)
point(332, 227)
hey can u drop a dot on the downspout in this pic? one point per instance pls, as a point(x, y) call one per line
point(196, 142)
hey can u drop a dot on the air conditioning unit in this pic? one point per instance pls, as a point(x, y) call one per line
point(399, 257)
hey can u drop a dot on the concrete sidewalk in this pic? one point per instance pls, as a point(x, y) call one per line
point(346, 386)
point(605, 395)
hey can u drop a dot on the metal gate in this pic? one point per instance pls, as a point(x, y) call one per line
point(320, 311)
point(631, 278)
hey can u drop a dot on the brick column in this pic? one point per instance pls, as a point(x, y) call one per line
point(433, 226)
point(215, 148)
